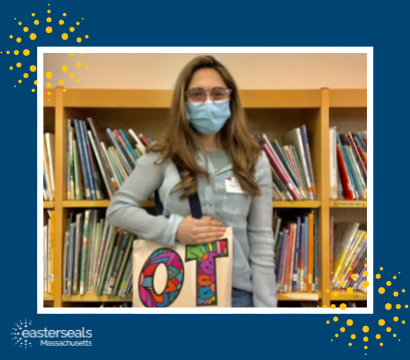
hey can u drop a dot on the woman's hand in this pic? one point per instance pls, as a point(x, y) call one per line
point(198, 231)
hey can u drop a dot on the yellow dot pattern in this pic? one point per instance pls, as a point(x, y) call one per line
point(365, 329)
point(378, 276)
point(381, 322)
point(33, 68)
point(333, 306)
point(365, 273)
point(79, 64)
point(49, 19)
point(335, 319)
point(378, 336)
point(61, 82)
point(71, 75)
point(365, 339)
point(86, 68)
point(396, 294)
point(49, 74)
point(86, 36)
point(388, 329)
point(398, 306)
point(25, 29)
point(388, 283)
point(342, 329)
point(26, 52)
point(25, 75)
point(343, 306)
point(353, 276)
point(18, 64)
point(381, 290)
point(381, 269)
point(394, 277)
point(78, 39)
point(49, 29)
point(72, 29)
point(36, 22)
point(48, 85)
point(33, 36)
point(365, 283)
point(18, 40)
point(16, 52)
point(353, 336)
point(61, 22)
point(64, 36)
point(388, 306)
point(396, 318)
point(64, 68)
point(349, 322)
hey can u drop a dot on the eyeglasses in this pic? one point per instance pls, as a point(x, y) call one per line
point(198, 95)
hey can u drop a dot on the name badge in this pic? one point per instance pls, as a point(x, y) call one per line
point(232, 185)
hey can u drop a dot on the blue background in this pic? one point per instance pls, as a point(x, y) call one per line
point(228, 23)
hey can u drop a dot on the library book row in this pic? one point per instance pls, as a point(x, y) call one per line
point(98, 162)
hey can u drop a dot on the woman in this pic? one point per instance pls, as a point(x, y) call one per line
point(208, 139)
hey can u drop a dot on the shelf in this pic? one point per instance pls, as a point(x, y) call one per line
point(127, 98)
point(347, 98)
point(48, 204)
point(48, 297)
point(348, 204)
point(296, 204)
point(299, 296)
point(342, 295)
point(97, 203)
point(92, 297)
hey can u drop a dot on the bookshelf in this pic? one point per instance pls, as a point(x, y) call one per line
point(271, 111)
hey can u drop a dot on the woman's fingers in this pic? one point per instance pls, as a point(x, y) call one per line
point(208, 235)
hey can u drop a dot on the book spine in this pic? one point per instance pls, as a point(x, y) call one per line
point(107, 262)
point(100, 253)
point(128, 166)
point(95, 174)
point(71, 248)
point(310, 254)
point(65, 258)
point(284, 235)
point(116, 177)
point(296, 256)
point(84, 166)
point(106, 182)
point(79, 189)
point(121, 258)
point(77, 254)
point(133, 152)
point(144, 139)
point(288, 259)
point(316, 268)
point(305, 141)
point(68, 160)
point(71, 164)
point(139, 145)
point(52, 233)
point(281, 173)
point(45, 258)
point(127, 152)
point(104, 159)
point(127, 273)
point(306, 255)
point(50, 152)
point(84, 252)
point(116, 251)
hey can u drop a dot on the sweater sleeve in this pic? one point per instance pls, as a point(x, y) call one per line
point(125, 212)
point(261, 241)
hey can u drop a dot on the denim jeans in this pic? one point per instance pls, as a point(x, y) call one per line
point(241, 298)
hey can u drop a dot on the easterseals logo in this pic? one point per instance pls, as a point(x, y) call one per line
point(25, 337)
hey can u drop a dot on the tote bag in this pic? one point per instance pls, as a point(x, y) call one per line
point(184, 275)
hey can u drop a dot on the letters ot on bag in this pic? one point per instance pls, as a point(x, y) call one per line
point(196, 275)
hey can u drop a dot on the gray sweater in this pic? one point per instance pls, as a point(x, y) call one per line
point(250, 217)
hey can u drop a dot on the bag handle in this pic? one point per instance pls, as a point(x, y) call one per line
point(194, 203)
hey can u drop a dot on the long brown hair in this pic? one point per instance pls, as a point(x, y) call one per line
point(180, 141)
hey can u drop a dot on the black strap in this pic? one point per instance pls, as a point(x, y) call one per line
point(194, 203)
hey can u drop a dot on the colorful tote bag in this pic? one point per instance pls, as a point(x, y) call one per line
point(184, 275)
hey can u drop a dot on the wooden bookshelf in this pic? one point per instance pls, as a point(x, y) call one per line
point(273, 112)
point(348, 204)
point(48, 204)
point(342, 295)
point(300, 296)
point(48, 297)
point(92, 297)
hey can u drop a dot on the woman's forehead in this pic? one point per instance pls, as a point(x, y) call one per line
point(207, 79)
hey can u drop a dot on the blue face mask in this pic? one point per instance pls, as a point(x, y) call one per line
point(208, 118)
